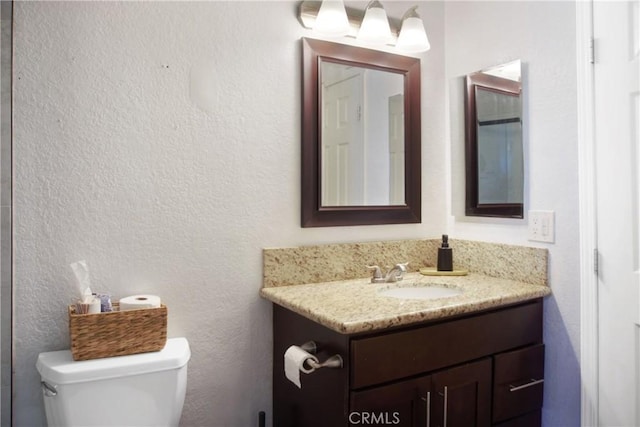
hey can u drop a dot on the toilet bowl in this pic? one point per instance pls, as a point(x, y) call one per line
point(138, 390)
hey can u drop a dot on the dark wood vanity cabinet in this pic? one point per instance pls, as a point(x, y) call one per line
point(481, 369)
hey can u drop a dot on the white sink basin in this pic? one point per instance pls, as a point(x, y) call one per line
point(421, 292)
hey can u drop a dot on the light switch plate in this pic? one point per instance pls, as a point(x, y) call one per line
point(542, 226)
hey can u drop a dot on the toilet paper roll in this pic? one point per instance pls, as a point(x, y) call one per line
point(294, 359)
point(136, 302)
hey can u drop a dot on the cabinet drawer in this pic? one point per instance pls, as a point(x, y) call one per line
point(517, 379)
point(402, 354)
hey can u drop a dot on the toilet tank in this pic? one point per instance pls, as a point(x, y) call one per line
point(138, 390)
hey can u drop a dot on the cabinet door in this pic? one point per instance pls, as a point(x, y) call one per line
point(403, 404)
point(461, 396)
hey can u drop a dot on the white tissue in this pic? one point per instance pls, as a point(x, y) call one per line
point(137, 302)
point(294, 359)
point(81, 272)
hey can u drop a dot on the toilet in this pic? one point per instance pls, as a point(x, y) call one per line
point(145, 389)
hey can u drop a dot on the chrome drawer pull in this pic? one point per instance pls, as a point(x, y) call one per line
point(523, 386)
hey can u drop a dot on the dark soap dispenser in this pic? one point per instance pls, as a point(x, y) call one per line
point(445, 255)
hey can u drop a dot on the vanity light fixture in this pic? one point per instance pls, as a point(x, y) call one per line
point(330, 18)
point(413, 37)
point(375, 25)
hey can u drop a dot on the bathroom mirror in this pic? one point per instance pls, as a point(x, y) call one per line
point(493, 142)
point(360, 136)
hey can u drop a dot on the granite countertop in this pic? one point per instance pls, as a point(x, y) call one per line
point(353, 306)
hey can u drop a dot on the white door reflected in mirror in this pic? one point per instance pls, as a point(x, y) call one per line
point(362, 135)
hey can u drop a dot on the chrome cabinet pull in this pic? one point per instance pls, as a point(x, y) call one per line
point(428, 402)
point(533, 382)
point(446, 397)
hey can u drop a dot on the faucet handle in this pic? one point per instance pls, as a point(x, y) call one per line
point(377, 274)
point(401, 269)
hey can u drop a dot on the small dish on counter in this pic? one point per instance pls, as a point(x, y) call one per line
point(432, 271)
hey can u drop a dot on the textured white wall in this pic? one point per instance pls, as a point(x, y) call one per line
point(115, 165)
point(542, 34)
point(5, 212)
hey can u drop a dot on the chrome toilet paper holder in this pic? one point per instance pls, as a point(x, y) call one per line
point(334, 362)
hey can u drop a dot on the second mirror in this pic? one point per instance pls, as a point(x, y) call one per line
point(494, 143)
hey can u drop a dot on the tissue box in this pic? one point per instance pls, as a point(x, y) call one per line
point(117, 333)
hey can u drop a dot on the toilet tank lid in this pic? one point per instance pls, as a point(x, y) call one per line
point(58, 367)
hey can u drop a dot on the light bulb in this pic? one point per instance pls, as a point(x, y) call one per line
point(375, 25)
point(413, 37)
point(332, 19)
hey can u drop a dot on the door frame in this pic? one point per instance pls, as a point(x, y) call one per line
point(588, 214)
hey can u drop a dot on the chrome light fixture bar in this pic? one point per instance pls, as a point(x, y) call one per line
point(408, 34)
point(309, 11)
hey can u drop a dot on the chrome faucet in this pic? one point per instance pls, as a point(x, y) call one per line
point(393, 275)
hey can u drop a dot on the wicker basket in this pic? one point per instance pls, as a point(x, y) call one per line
point(117, 333)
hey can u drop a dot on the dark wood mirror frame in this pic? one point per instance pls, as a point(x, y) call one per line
point(472, 207)
point(313, 213)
